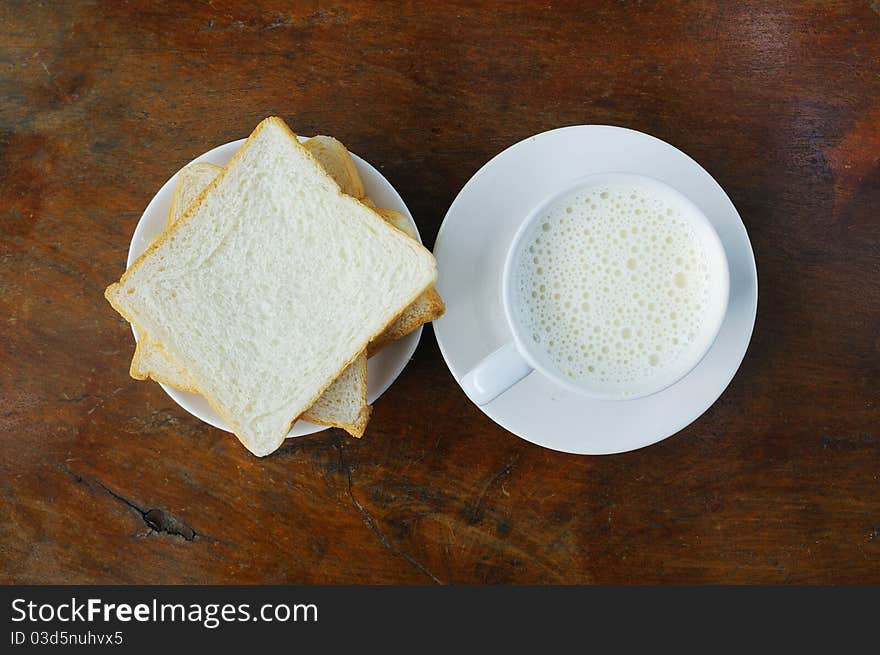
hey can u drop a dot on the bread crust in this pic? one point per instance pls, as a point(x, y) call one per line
point(352, 186)
point(430, 307)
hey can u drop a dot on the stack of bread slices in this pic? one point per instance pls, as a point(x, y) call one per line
point(275, 280)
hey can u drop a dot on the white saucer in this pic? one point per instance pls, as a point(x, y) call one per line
point(383, 368)
point(470, 250)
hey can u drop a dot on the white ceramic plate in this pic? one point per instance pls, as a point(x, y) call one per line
point(470, 250)
point(383, 368)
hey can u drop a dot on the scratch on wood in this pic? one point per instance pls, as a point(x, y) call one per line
point(475, 513)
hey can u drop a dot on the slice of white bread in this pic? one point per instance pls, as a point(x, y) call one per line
point(337, 161)
point(427, 307)
point(271, 285)
point(342, 405)
point(191, 181)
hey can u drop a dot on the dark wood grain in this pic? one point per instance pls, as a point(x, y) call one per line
point(104, 479)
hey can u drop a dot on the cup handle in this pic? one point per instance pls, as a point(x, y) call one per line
point(495, 374)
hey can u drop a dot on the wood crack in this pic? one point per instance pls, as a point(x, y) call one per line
point(371, 522)
point(158, 520)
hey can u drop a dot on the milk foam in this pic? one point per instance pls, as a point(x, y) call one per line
point(615, 286)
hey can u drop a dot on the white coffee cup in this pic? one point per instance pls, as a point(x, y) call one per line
point(519, 357)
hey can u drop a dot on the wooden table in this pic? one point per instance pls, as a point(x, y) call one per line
point(104, 479)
